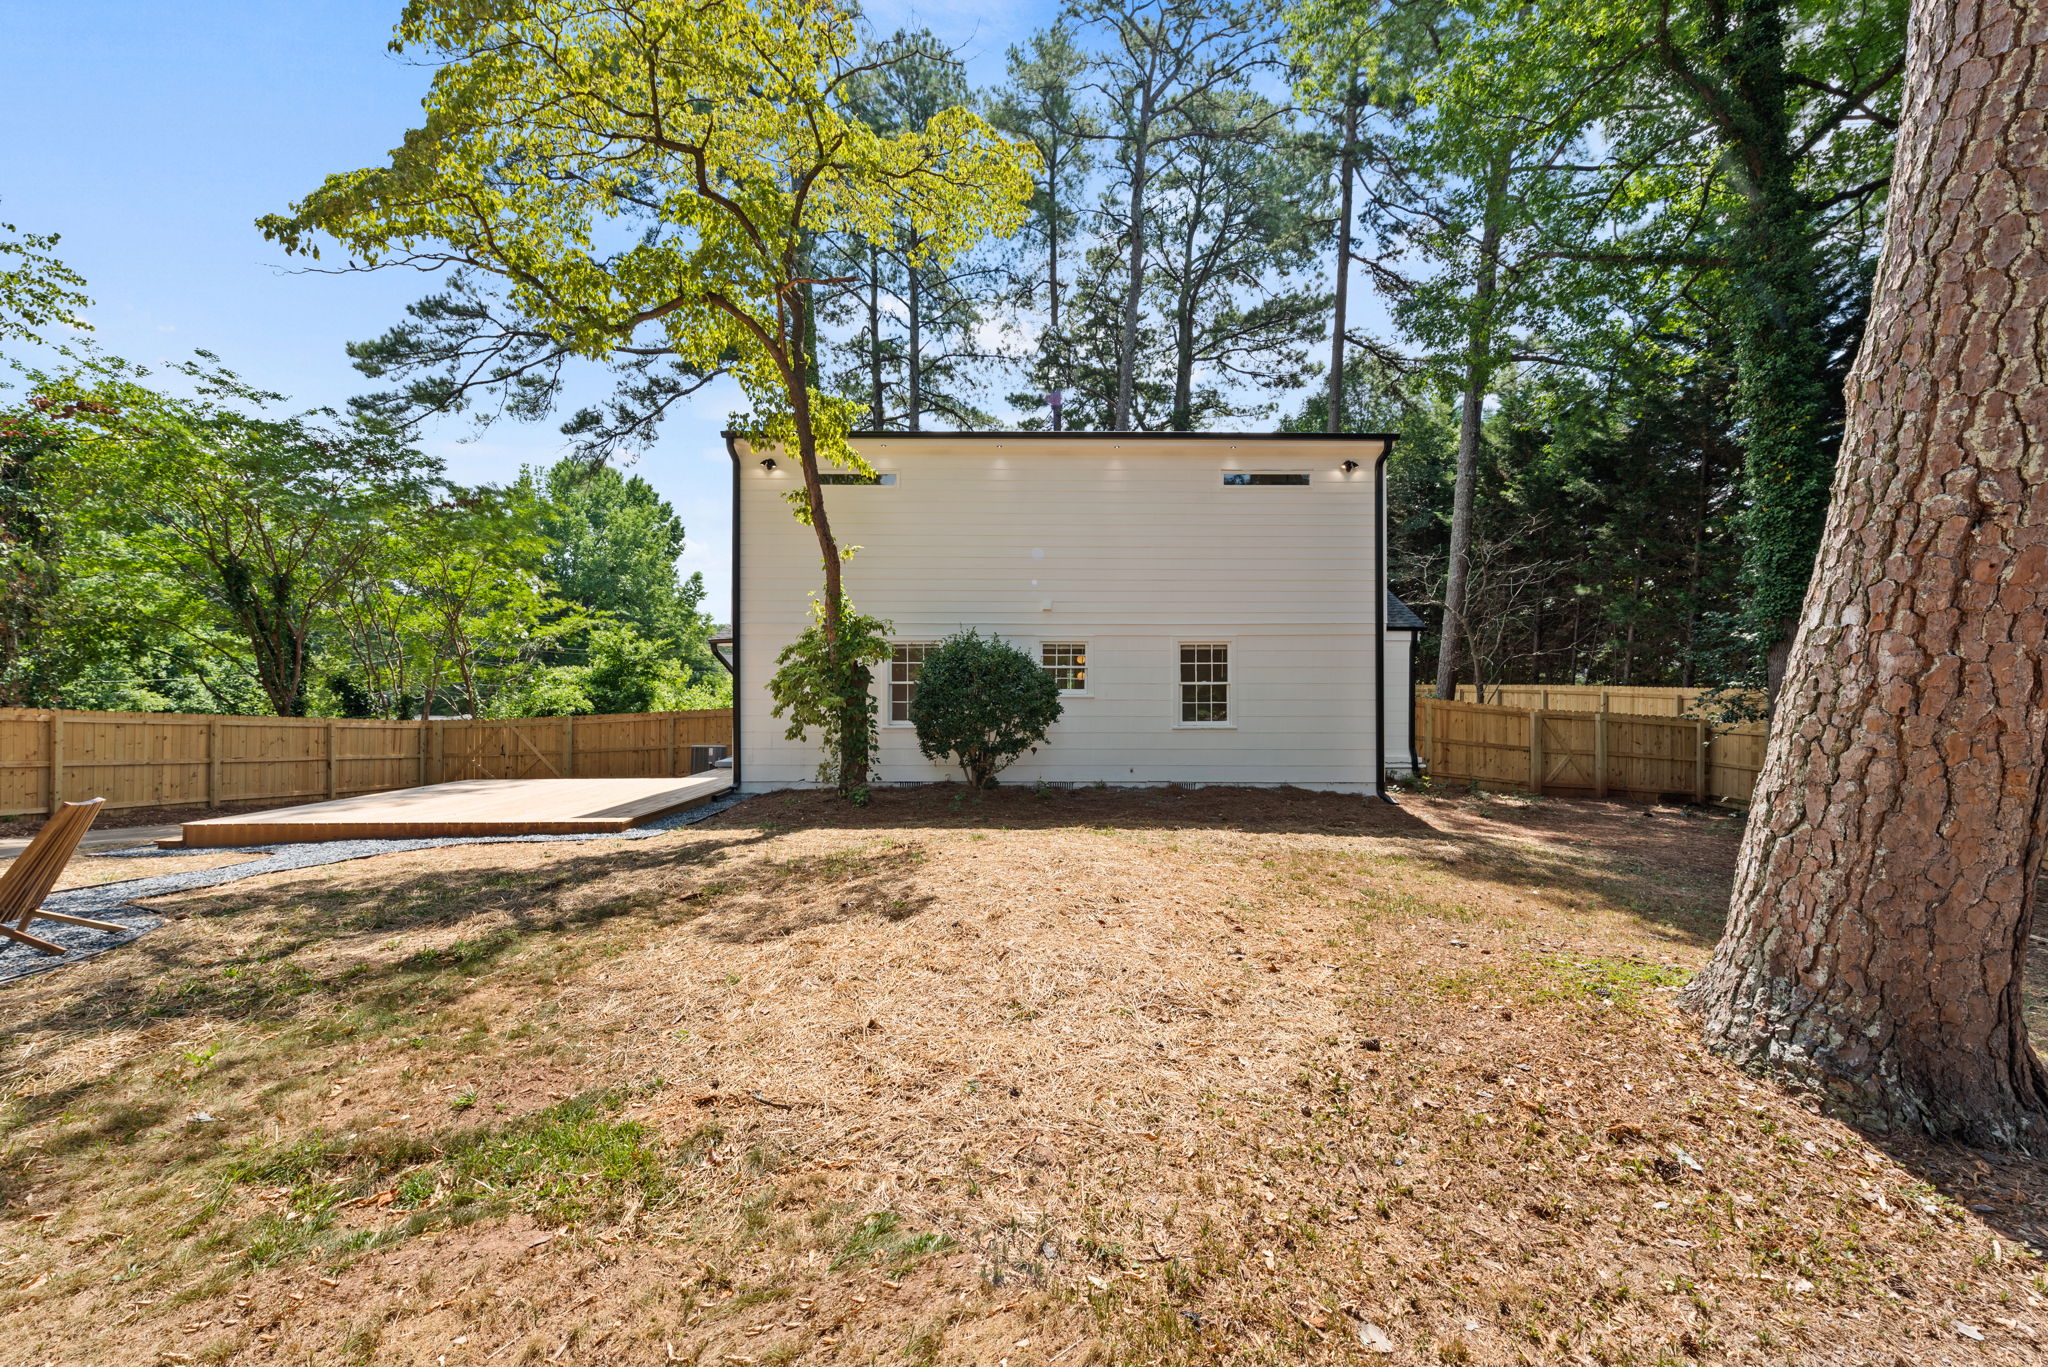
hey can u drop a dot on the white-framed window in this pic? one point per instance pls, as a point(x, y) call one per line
point(1067, 663)
point(905, 662)
point(1241, 479)
point(851, 477)
point(1204, 683)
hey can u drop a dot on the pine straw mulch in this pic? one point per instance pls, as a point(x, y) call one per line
point(1093, 1077)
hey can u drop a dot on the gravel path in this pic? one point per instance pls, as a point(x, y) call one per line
point(117, 901)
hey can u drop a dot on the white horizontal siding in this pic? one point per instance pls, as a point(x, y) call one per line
point(1400, 701)
point(1136, 545)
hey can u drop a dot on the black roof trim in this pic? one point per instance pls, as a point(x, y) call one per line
point(869, 435)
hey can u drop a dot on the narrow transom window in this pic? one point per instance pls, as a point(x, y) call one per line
point(1067, 662)
point(849, 477)
point(904, 664)
point(1204, 683)
point(1240, 478)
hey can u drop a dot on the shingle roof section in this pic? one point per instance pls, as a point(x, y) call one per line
point(1401, 617)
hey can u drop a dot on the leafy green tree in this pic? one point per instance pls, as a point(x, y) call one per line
point(475, 603)
point(1738, 150)
point(37, 290)
point(32, 664)
point(250, 527)
point(710, 142)
point(627, 672)
point(613, 547)
point(982, 702)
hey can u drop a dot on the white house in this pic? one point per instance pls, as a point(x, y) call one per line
point(1403, 627)
point(1213, 606)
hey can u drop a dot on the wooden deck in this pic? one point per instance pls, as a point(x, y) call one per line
point(481, 806)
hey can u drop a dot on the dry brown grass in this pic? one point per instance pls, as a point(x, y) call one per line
point(1093, 1077)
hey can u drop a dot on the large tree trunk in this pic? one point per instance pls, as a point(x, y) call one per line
point(1346, 173)
point(878, 414)
point(916, 345)
point(1886, 883)
point(1472, 413)
point(1134, 281)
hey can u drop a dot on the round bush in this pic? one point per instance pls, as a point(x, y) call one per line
point(982, 702)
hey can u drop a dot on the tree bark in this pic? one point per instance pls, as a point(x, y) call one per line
point(1347, 171)
point(1134, 283)
point(1052, 251)
point(879, 413)
point(1478, 376)
point(1887, 879)
point(916, 344)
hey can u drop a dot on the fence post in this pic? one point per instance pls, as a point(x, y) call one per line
point(56, 762)
point(675, 723)
point(213, 762)
point(1600, 753)
point(1429, 734)
point(330, 762)
point(1536, 752)
point(568, 747)
point(1699, 750)
point(426, 731)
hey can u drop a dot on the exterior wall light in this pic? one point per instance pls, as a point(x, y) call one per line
point(1349, 466)
point(768, 463)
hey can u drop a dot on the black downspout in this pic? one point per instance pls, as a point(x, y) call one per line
point(1379, 607)
point(738, 692)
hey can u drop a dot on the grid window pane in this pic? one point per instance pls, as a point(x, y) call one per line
point(1238, 479)
point(1204, 683)
point(1067, 662)
point(905, 662)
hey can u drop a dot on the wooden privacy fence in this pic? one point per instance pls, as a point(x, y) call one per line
point(156, 759)
point(1573, 753)
point(1645, 702)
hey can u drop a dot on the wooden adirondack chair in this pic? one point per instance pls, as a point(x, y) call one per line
point(29, 878)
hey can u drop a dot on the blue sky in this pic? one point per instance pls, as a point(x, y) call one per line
point(152, 134)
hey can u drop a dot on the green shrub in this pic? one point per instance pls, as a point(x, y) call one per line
point(982, 702)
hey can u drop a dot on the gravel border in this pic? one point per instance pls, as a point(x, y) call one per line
point(116, 901)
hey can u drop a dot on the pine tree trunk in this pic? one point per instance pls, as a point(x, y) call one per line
point(916, 357)
point(878, 413)
point(1134, 282)
point(1346, 173)
point(1052, 256)
point(1887, 879)
point(1472, 412)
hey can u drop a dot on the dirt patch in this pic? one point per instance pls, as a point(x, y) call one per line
point(1095, 1076)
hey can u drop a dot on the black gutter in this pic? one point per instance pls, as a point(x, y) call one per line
point(732, 449)
point(1379, 604)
